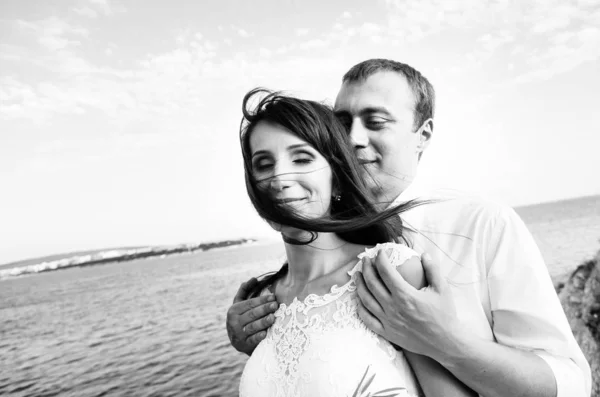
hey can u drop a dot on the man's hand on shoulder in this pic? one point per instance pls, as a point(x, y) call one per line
point(248, 319)
point(422, 321)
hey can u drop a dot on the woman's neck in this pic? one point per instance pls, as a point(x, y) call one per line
point(321, 257)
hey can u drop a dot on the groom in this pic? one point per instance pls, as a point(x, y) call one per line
point(490, 314)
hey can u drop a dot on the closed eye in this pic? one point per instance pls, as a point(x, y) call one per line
point(302, 156)
point(375, 123)
point(263, 167)
point(303, 161)
point(261, 164)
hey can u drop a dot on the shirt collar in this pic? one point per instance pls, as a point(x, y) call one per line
point(413, 191)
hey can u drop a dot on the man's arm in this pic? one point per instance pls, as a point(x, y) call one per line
point(526, 311)
point(435, 380)
point(248, 319)
point(425, 322)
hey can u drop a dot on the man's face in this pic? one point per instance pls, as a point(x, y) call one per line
point(379, 113)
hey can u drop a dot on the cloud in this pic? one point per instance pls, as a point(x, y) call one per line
point(107, 7)
point(314, 43)
point(556, 18)
point(300, 32)
point(53, 26)
point(569, 50)
point(490, 42)
point(176, 84)
point(22, 100)
point(239, 31)
point(264, 52)
point(54, 33)
point(164, 90)
point(57, 43)
point(535, 30)
point(158, 86)
point(85, 11)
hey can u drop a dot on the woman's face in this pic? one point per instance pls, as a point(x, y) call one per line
point(290, 171)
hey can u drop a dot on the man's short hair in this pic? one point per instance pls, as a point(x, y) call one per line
point(421, 87)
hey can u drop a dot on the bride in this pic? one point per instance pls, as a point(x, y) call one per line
point(302, 178)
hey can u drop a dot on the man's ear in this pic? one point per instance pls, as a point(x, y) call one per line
point(425, 133)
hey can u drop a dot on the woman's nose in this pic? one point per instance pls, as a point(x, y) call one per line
point(279, 183)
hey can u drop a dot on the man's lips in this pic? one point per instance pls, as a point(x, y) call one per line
point(366, 161)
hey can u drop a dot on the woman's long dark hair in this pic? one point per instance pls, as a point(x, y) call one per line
point(354, 218)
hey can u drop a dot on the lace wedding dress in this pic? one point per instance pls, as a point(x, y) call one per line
point(320, 347)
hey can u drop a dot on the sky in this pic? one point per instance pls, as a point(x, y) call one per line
point(119, 120)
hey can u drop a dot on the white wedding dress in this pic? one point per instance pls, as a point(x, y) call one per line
point(320, 347)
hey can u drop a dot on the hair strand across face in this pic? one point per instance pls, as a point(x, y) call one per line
point(354, 217)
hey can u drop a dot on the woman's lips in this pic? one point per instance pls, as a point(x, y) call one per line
point(288, 200)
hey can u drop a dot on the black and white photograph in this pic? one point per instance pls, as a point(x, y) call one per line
point(219, 198)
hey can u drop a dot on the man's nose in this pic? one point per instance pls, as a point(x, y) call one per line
point(359, 135)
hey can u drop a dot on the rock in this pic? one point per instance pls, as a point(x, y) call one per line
point(580, 297)
point(575, 299)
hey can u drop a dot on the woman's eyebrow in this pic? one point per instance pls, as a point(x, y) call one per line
point(258, 152)
point(298, 145)
point(289, 148)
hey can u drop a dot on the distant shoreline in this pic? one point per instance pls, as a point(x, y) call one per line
point(112, 256)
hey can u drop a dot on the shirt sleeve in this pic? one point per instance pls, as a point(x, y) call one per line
point(526, 311)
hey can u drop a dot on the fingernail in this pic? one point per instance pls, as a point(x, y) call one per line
point(270, 318)
point(271, 298)
point(273, 306)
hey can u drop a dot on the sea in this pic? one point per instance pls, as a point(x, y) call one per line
point(156, 327)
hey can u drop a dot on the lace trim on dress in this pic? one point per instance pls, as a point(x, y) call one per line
point(299, 323)
point(397, 254)
point(292, 338)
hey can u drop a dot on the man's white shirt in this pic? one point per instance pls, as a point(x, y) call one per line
point(501, 285)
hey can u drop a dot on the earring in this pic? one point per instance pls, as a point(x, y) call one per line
point(337, 198)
